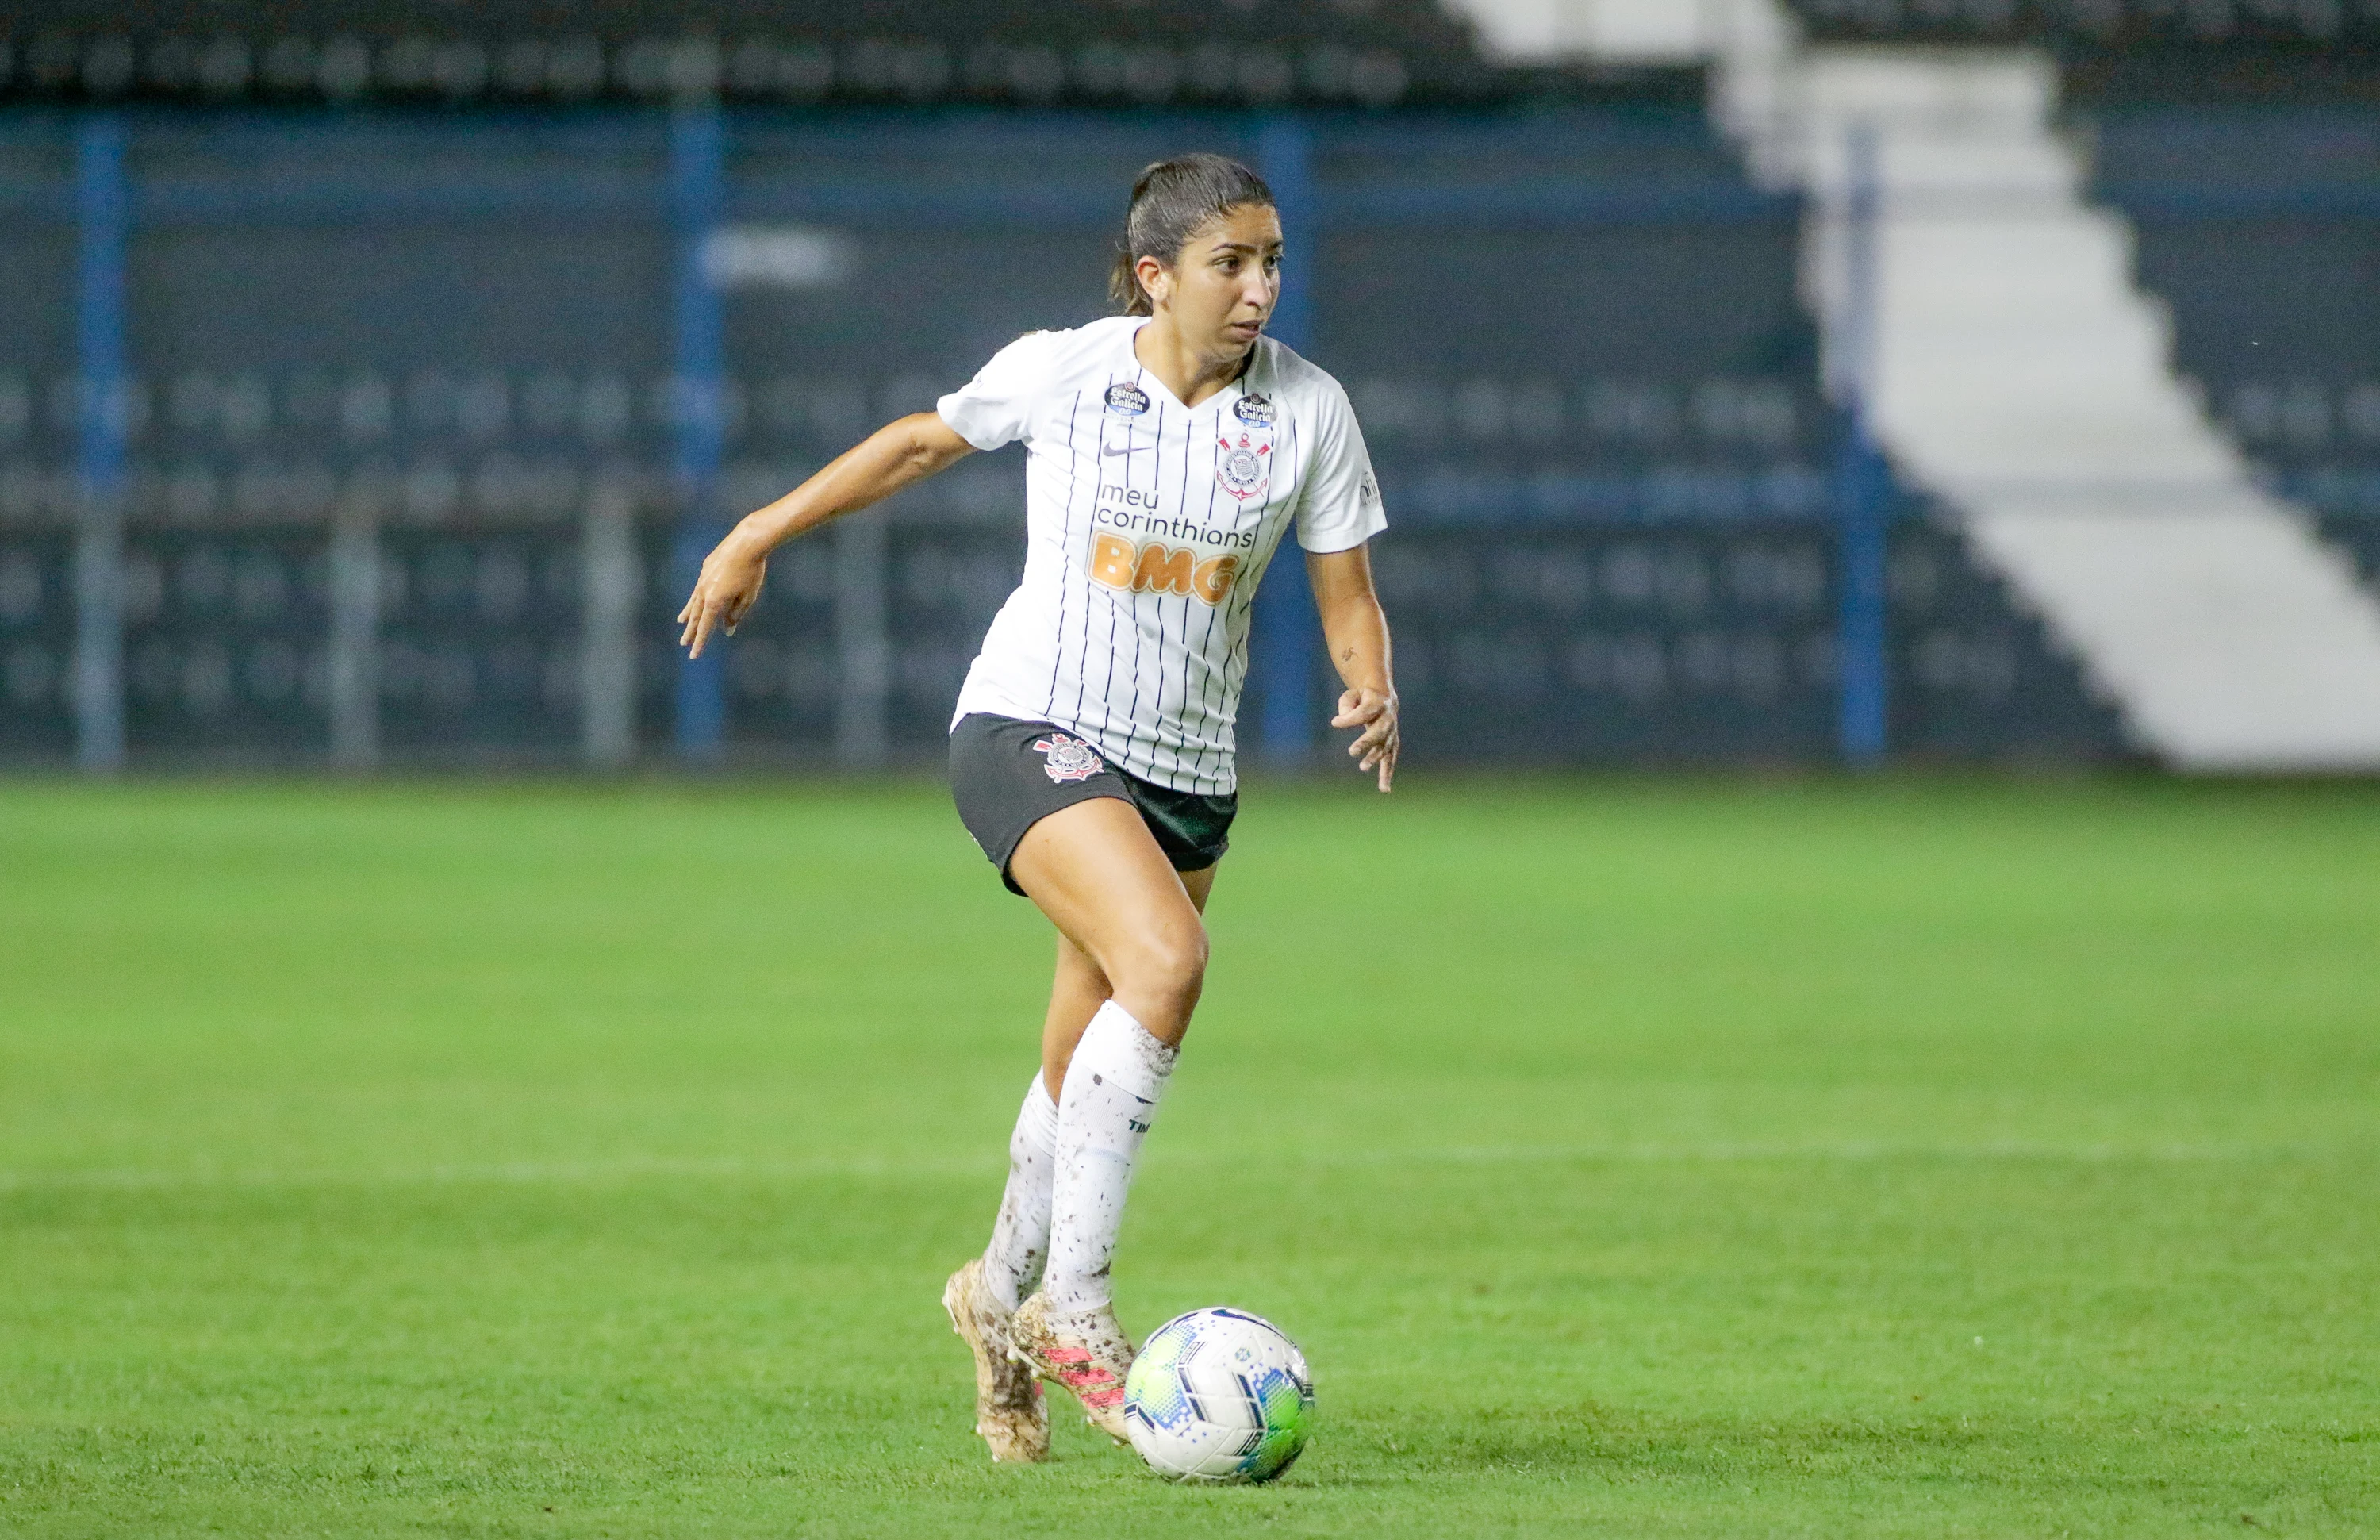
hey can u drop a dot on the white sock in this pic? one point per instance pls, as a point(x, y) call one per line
point(1020, 1236)
point(1112, 1086)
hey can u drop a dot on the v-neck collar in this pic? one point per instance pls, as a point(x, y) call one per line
point(1234, 389)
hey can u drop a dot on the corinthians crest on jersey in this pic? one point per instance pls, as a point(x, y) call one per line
point(1244, 463)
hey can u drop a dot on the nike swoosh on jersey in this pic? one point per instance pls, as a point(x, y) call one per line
point(1110, 453)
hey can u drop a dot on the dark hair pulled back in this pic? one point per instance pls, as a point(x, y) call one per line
point(1172, 201)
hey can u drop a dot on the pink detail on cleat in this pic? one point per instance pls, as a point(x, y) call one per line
point(1092, 1384)
point(1089, 1357)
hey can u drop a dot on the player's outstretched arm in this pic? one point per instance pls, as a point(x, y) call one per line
point(889, 459)
point(1357, 633)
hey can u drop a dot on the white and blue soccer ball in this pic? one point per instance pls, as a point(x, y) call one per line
point(1218, 1395)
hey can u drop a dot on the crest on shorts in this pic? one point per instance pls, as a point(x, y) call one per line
point(1127, 399)
point(1244, 468)
point(1253, 409)
point(1067, 757)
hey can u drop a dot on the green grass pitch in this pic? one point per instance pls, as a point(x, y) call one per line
point(1701, 1157)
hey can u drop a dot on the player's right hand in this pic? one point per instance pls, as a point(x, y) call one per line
point(724, 594)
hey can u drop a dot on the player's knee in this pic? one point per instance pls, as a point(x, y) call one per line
point(1172, 967)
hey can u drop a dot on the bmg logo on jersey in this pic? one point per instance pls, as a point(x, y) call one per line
point(1153, 566)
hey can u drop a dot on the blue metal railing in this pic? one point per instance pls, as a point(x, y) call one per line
point(1863, 483)
point(102, 229)
point(1288, 633)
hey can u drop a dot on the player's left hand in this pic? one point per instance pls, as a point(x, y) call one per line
point(1375, 746)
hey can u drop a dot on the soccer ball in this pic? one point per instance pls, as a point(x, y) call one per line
point(1218, 1395)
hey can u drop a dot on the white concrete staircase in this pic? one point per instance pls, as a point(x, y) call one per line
point(2015, 371)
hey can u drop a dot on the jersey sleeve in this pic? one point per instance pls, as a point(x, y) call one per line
point(1342, 505)
point(996, 407)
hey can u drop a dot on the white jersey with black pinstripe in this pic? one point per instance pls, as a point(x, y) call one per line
point(1148, 525)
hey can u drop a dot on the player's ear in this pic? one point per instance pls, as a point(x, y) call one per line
point(1155, 279)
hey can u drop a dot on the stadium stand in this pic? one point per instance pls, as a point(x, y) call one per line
point(1360, 53)
point(2098, 32)
point(1659, 466)
point(402, 401)
point(2022, 376)
point(2255, 224)
point(2241, 142)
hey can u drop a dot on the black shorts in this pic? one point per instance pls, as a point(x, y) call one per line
point(1007, 775)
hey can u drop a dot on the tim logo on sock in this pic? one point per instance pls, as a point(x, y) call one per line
point(1068, 758)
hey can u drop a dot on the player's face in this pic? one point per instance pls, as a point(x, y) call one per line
point(1224, 282)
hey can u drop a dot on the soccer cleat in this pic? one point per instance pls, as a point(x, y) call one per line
point(1088, 1354)
point(1010, 1414)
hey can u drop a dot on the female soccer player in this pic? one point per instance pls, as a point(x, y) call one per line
point(1091, 753)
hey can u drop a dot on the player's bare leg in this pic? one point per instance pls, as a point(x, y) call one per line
point(1078, 988)
point(1097, 872)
